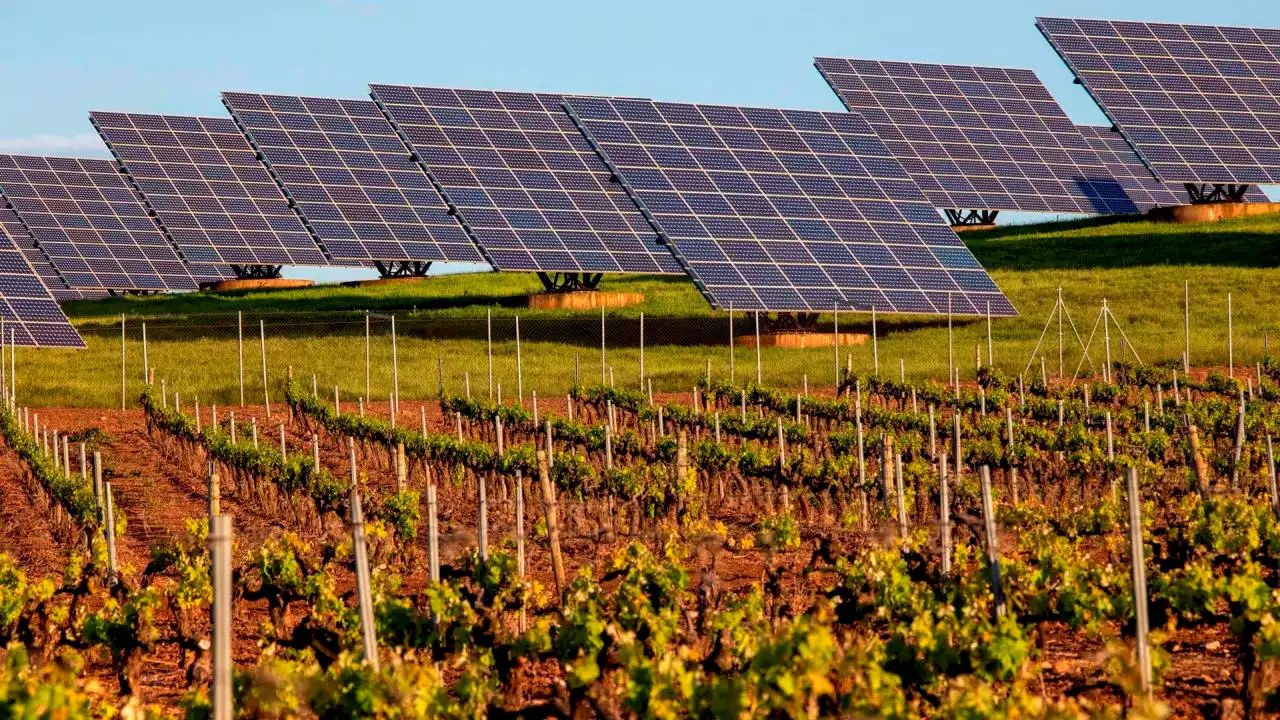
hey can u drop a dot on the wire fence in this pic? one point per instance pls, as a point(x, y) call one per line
point(220, 358)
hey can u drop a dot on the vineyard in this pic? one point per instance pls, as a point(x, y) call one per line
point(997, 548)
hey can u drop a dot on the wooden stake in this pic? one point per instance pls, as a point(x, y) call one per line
point(220, 536)
point(360, 551)
point(944, 513)
point(993, 539)
point(111, 531)
point(266, 393)
point(553, 526)
point(519, 367)
point(124, 379)
point(433, 533)
point(482, 519)
point(395, 374)
point(1139, 582)
point(240, 351)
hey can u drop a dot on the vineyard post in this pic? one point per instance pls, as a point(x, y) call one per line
point(360, 551)
point(1111, 458)
point(535, 411)
point(875, 344)
point(944, 513)
point(1197, 458)
point(862, 455)
point(519, 366)
point(732, 373)
point(604, 367)
point(608, 448)
point(253, 427)
point(220, 533)
point(959, 454)
point(439, 378)
point(993, 540)
point(1239, 448)
point(124, 379)
point(57, 452)
point(1044, 374)
point(367, 343)
point(482, 519)
point(682, 455)
point(240, 350)
point(84, 467)
point(902, 371)
point(1062, 415)
point(550, 446)
point(1086, 403)
point(886, 466)
point(395, 374)
point(1013, 469)
point(146, 364)
point(1271, 477)
point(520, 535)
point(1160, 399)
point(758, 371)
point(214, 490)
point(1231, 345)
point(466, 383)
point(717, 427)
point(262, 340)
point(402, 470)
point(744, 406)
point(933, 433)
point(648, 381)
point(1186, 326)
point(576, 384)
point(1139, 581)
point(422, 420)
point(902, 501)
point(1022, 395)
point(97, 485)
point(782, 448)
point(642, 351)
point(315, 451)
point(457, 421)
point(553, 525)
point(111, 533)
point(433, 533)
point(66, 457)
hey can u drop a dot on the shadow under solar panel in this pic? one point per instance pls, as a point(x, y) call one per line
point(787, 210)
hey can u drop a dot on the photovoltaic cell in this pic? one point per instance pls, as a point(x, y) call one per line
point(524, 180)
point(1200, 103)
point(352, 177)
point(978, 137)
point(39, 262)
point(203, 180)
point(787, 210)
point(27, 309)
point(91, 224)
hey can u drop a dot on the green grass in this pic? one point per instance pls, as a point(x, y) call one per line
point(1138, 267)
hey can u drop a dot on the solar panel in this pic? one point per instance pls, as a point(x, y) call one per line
point(978, 137)
point(352, 177)
point(91, 224)
point(208, 189)
point(27, 309)
point(36, 258)
point(533, 193)
point(1200, 104)
point(787, 210)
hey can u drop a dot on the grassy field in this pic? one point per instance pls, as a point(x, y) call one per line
point(1138, 267)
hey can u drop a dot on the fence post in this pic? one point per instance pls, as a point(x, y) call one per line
point(759, 373)
point(124, 379)
point(1231, 341)
point(111, 532)
point(732, 373)
point(262, 339)
point(361, 555)
point(875, 344)
point(642, 351)
point(519, 366)
point(367, 392)
point(146, 363)
point(944, 513)
point(220, 534)
point(433, 532)
point(993, 539)
point(1139, 581)
point(1186, 326)
point(395, 374)
point(603, 356)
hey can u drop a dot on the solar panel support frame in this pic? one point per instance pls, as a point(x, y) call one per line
point(388, 269)
point(561, 282)
point(1209, 193)
point(257, 272)
point(971, 218)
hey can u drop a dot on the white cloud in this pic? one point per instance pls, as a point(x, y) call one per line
point(49, 144)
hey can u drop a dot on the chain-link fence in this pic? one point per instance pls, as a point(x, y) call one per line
point(217, 357)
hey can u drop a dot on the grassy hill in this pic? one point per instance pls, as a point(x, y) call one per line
point(1139, 267)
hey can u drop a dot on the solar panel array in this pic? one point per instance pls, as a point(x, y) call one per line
point(352, 178)
point(91, 225)
point(29, 313)
point(39, 262)
point(1126, 167)
point(978, 137)
point(524, 181)
point(787, 210)
point(1199, 103)
point(204, 181)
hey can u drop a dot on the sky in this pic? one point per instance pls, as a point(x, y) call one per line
point(62, 58)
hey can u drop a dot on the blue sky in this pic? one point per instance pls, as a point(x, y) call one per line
point(64, 58)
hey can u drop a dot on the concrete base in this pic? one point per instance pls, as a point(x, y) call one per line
point(583, 300)
point(243, 284)
point(1212, 212)
point(383, 281)
point(798, 339)
point(971, 228)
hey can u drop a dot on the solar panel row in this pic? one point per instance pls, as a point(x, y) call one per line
point(786, 210)
point(28, 313)
point(979, 137)
point(1199, 103)
point(90, 224)
point(524, 181)
point(352, 178)
point(44, 269)
point(208, 190)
